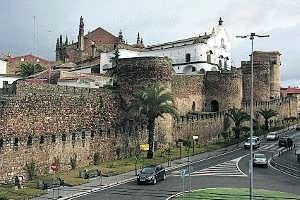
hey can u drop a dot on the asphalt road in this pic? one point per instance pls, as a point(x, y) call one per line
point(229, 170)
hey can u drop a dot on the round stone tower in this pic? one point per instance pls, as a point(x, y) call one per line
point(134, 74)
point(223, 90)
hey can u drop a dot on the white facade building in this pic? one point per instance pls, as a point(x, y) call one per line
point(208, 52)
point(3, 66)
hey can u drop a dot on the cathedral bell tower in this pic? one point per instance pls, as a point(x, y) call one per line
point(80, 35)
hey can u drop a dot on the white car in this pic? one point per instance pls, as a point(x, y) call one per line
point(260, 159)
point(255, 142)
point(272, 136)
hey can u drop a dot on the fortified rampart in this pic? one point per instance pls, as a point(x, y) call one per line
point(223, 90)
point(261, 81)
point(44, 122)
point(188, 91)
point(48, 122)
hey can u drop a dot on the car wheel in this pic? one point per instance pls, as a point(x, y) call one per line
point(164, 177)
point(138, 182)
point(154, 181)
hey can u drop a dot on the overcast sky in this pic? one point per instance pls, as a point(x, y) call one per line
point(157, 21)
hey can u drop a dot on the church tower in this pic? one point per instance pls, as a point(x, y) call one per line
point(80, 35)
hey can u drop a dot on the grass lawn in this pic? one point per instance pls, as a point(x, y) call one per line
point(8, 192)
point(236, 194)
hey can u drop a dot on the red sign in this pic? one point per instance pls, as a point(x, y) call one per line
point(54, 167)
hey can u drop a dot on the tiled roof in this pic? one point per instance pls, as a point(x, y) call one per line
point(291, 90)
point(197, 39)
point(101, 36)
point(28, 58)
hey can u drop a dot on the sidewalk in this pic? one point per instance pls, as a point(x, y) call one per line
point(287, 161)
point(101, 183)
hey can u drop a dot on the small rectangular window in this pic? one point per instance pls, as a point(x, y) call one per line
point(187, 57)
point(63, 137)
point(73, 136)
point(1, 143)
point(16, 142)
point(29, 141)
point(83, 136)
point(92, 134)
point(42, 139)
point(53, 138)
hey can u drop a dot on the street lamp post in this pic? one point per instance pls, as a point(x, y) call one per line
point(251, 36)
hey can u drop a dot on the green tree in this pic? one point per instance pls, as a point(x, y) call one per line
point(28, 69)
point(238, 116)
point(114, 62)
point(267, 115)
point(153, 102)
point(31, 169)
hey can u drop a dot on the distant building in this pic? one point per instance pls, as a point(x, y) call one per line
point(292, 91)
point(3, 66)
point(5, 78)
point(207, 52)
point(13, 63)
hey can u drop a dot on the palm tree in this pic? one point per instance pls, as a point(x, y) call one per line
point(153, 102)
point(27, 69)
point(238, 116)
point(267, 114)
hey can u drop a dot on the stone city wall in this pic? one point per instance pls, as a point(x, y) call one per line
point(208, 127)
point(261, 81)
point(225, 88)
point(285, 107)
point(42, 122)
point(188, 92)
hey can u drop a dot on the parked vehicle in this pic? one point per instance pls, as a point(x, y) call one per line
point(151, 174)
point(285, 141)
point(255, 142)
point(298, 127)
point(272, 136)
point(260, 159)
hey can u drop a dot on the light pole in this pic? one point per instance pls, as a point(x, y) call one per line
point(251, 36)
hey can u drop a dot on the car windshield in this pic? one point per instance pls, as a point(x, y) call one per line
point(148, 170)
point(259, 156)
point(272, 133)
point(253, 140)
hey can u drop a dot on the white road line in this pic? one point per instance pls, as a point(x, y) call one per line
point(228, 168)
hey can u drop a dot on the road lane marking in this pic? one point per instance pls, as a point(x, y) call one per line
point(228, 168)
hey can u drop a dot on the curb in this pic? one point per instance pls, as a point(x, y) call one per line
point(79, 194)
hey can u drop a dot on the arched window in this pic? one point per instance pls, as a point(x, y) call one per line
point(193, 69)
point(187, 57)
point(214, 106)
point(223, 43)
point(208, 54)
point(202, 71)
point(194, 106)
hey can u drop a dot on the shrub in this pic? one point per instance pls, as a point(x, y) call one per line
point(118, 152)
point(31, 169)
point(96, 158)
point(73, 162)
point(225, 135)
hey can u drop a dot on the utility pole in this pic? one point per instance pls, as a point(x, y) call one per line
point(251, 36)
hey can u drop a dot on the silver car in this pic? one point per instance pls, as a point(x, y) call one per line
point(272, 136)
point(260, 159)
point(255, 142)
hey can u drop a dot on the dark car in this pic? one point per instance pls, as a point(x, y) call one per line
point(285, 141)
point(298, 127)
point(151, 174)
